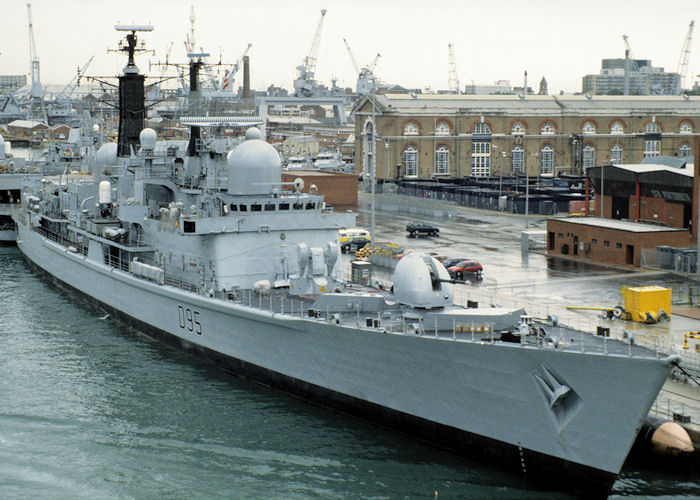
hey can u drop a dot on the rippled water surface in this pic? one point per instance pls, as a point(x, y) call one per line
point(90, 409)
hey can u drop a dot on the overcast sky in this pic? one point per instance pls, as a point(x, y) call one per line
point(562, 40)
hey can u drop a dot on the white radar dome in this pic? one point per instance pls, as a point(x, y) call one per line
point(95, 128)
point(253, 133)
point(422, 281)
point(148, 138)
point(254, 166)
point(107, 154)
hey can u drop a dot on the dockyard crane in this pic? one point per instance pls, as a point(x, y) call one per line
point(365, 76)
point(68, 90)
point(452, 80)
point(684, 58)
point(373, 64)
point(305, 84)
point(37, 110)
point(352, 57)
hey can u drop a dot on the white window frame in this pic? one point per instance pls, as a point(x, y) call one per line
point(547, 159)
point(481, 158)
point(482, 128)
point(616, 154)
point(652, 148)
point(410, 161)
point(411, 128)
point(547, 129)
point(685, 128)
point(685, 150)
point(518, 129)
point(588, 156)
point(617, 128)
point(442, 160)
point(652, 128)
point(442, 129)
point(517, 159)
point(588, 128)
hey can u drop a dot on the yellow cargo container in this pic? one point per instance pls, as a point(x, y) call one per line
point(643, 300)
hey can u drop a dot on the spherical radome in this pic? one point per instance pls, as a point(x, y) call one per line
point(254, 166)
point(107, 154)
point(253, 133)
point(148, 138)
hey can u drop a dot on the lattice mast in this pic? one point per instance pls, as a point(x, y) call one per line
point(452, 80)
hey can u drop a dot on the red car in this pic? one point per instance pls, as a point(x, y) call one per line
point(464, 267)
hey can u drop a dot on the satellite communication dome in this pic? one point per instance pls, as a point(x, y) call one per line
point(107, 154)
point(148, 138)
point(254, 166)
point(253, 133)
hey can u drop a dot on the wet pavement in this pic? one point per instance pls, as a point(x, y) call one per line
point(544, 285)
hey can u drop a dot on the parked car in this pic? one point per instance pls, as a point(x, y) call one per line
point(353, 232)
point(463, 268)
point(353, 244)
point(420, 228)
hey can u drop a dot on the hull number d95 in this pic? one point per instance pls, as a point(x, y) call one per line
point(189, 319)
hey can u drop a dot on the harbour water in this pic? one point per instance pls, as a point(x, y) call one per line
point(90, 409)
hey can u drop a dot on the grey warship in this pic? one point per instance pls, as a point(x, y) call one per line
point(209, 252)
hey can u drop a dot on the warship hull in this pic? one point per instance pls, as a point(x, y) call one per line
point(476, 398)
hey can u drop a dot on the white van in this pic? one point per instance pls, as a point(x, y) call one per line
point(353, 232)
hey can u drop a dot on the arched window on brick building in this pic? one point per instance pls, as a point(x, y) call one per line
point(442, 129)
point(616, 154)
point(442, 160)
point(410, 161)
point(652, 140)
point(617, 128)
point(685, 150)
point(546, 159)
point(588, 156)
point(411, 128)
point(517, 158)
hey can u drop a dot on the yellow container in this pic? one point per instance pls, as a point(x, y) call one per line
point(646, 299)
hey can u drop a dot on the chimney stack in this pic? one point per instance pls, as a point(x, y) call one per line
point(246, 77)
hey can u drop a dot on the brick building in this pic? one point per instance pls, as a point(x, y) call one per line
point(337, 188)
point(27, 128)
point(653, 193)
point(431, 135)
point(609, 241)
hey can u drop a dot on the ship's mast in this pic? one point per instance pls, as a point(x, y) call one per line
point(132, 108)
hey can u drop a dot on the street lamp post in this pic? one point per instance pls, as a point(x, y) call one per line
point(372, 165)
point(527, 187)
point(500, 176)
point(602, 191)
point(386, 154)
